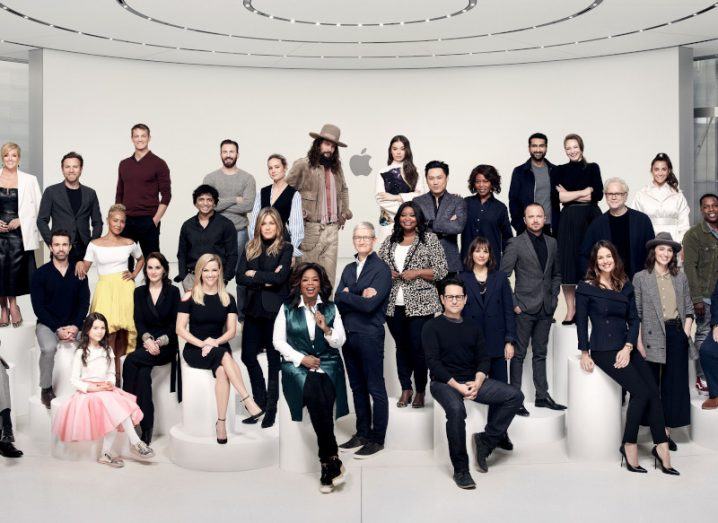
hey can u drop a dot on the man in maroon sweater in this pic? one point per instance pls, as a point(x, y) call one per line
point(144, 188)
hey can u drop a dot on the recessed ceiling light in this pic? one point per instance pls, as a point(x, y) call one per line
point(291, 21)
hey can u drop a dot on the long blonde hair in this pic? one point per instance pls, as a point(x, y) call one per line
point(197, 292)
point(254, 246)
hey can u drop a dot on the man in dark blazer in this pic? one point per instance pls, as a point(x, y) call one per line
point(531, 182)
point(534, 257)
point(628, 229)
point(361, 298)
point(445, 213)
point(72, 207)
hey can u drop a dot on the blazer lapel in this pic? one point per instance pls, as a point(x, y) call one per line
point(64, 199)
point(473, 286)
point(152, 306)
point(532, 252)
point(83, 197)
point(491, 286)
point(656, 298)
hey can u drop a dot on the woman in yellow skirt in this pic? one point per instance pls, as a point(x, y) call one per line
point(114, 293)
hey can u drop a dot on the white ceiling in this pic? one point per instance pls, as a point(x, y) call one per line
point(356, 34)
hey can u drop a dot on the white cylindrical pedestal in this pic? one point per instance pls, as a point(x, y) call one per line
point(297, 441)
point(541, 427)
point(476, 415)
point(11, 382)
point(16, 348)
point(409, 428)
point(565, 345)
point(704, 424)
point(199, 407)
point(594, 414)
point(167, 411)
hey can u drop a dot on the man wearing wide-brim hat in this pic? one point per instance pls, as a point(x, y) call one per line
point(325, 198)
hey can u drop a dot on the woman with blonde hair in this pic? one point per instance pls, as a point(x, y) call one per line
point(264, 270)
point(19, 204)
point(207, 321)
point(114, 292)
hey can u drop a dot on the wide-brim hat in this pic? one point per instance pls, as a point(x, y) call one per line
point(664, 238)
point(329, 132)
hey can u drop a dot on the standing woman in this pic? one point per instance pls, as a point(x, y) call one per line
point(113, 296)
point(308, 333)
point(264, 270)
point(19, 204)
point(155, 316)
point(663, 201)
point(211, 313)
point(579, 189)
point(665, 308)
point(489, 304)
point(285, 199)
point(486, 216)
point(417, 261)
point(398, 184)
point(607, 298)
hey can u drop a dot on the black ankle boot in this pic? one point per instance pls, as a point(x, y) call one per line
point(269, 418)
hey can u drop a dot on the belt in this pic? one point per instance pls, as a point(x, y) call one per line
point(674, 322)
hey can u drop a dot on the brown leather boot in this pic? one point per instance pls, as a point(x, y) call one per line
point(710, 404)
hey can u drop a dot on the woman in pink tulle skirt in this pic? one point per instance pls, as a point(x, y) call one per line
point(98, 409)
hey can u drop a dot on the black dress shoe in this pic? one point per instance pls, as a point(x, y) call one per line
point(368, 450)
point(269, 418)
point(464, 480)
point(523, 412)
point(354, 443)
point(7, 435)
point(482, 452)
point(251, 420)
point(46, 397)
point(549, 403)
point(8, 450)
point(505, 443)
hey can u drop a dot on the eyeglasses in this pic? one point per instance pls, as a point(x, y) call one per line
point(454, 297)
point(363, 238)
point(615, 194)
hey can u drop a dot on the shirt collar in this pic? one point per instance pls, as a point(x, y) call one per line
point(302, 304)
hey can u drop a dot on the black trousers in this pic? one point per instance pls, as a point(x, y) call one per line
point(142, 230)
point(498, 372)
point(137, 379)
point(256, 337)
point(672, 378)
point(319, 397)
point(645, 400)
point(406, 331)
point(364, 359)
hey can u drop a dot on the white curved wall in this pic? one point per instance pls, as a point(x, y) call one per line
point(625, 107)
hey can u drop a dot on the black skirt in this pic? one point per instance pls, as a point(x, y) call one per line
point(16, 265)
point(575, 219)
point(212, 361)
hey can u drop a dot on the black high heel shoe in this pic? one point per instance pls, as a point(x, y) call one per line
point(657, 459)
point(221, 441)
point(672, 445)
point(630, 467)
point(251, 420)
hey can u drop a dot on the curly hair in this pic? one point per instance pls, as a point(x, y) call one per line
point(295, 281)
point(490, 173)
point(397, 234)
point(315, 154)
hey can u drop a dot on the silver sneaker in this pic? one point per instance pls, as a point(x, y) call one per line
point(142, 450)
point(115, 462)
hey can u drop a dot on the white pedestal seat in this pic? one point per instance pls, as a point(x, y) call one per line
point(593, 419)
point(541, 427)
point(704, 424)
point(565, 345)
point(16, 348)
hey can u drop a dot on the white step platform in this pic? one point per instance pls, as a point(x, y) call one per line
point(11, 381)
point(565, 345)
point(16, 348)
point(409, 428)
point(704, 424)
point(593, 419)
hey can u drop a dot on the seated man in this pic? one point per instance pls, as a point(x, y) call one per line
point(459, 366)
point(60, 301)
point(7, 438)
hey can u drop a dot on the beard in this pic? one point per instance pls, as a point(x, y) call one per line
point(538, 156)
point(326, 161)
point(229, 162)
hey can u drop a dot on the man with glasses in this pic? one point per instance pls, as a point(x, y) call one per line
point(459, 366)
point(361, 297)
point(628, 229)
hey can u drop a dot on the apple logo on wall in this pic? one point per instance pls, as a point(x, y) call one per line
point(359, 164)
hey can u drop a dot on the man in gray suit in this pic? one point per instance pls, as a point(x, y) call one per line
point(534, 257)
point(445, 213)
point(72, 207)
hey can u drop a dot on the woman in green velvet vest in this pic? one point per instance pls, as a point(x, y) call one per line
point(308, 333)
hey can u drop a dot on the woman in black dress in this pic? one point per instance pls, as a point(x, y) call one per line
point(579, 188)
point(211, 313)
point(264, 270)
point(155, 316)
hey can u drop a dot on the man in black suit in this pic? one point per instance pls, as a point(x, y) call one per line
point(534, 257)
point(72, 207)
point(361, 298)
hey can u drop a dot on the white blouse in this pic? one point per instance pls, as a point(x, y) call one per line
point(289, 353)
point(400, 253)
point(111, 260)
point(667, 209)
point(98, 368)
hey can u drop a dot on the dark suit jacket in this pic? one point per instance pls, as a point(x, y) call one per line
point(640, 232)
point(359, 314)
point(158, 319)
point(613, 315)
point(55, 207)
point(533, 288)
point(446, 229)
point(521, 193)
point(494, 312)
point(269, 287)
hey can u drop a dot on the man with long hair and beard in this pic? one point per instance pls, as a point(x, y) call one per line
point(325, 198)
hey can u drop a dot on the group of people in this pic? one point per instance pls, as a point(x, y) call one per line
point(439, 280)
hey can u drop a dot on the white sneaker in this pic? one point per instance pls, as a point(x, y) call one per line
point(115, 462)
point(142, 450)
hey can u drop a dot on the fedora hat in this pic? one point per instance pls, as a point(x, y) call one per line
point(329, 132)
point(664, 238)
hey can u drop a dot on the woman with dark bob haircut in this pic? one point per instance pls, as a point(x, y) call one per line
point(308, 333)
point(155, 319)
point(607, 298)
point(486, 216)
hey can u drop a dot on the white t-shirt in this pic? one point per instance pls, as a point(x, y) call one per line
point(111, 260)
point(399, 260)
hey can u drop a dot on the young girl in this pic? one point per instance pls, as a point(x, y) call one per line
point(98, 409)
